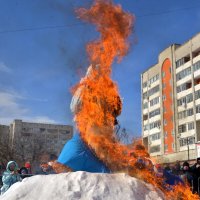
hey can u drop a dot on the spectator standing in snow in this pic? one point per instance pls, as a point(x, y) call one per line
point(28, 167)
point(186, 173)
point(177, 168)
point(45, 169)
point(196, 175)
point(10, 176)
point(23, 172)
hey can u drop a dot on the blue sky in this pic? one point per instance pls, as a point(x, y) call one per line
point(39, 65)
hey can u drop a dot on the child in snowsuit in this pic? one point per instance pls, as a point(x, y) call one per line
point(10, 176)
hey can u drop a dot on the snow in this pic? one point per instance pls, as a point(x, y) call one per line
point(82, 185)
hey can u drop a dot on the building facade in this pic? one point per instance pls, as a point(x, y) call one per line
point(4, 133)
point(171, 103)
point(36, 141)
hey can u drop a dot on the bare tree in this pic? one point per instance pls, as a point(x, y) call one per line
point(5, 151)
point(123, 136)
point(29, 148)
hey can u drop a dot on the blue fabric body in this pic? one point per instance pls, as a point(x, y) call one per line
point(77, 155)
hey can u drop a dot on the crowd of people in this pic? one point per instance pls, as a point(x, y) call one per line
point(173, 174)
point(170, 174)
point(13, 173)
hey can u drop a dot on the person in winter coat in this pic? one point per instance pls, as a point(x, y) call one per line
point(186, 173)
point(45, 169)
point(196, 175)
point(28, 167)
point(10, 176)
point(23, 172)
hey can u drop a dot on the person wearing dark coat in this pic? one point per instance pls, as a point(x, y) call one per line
point(195, 169)
point(187, 175)
point(45, 169)
point(23, 172)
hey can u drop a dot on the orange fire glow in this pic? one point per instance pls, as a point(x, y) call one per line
point(99, 96)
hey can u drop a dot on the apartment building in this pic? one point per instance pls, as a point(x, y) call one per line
point(171, 103)
point(35, 141)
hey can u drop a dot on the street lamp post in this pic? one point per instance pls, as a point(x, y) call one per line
point(188, 148)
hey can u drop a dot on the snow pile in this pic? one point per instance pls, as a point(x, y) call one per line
point(82, 185)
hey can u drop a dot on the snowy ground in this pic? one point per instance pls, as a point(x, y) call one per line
point(82, 185)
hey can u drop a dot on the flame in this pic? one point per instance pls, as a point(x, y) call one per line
point(99, 100)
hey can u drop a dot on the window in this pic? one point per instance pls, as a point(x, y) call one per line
point(163, 74)
point(155, 149)
point(165, 122)
point(153, 90)
point(146, 127)
point(145, 105)
point(155, 124)
point(191, 140)
point(190, 112)
point(197, 94)
point(187, 141)
point(185, 113)
point(173, 146)
point(153, 79)
point(154, 101)
point(189, 98)
point(144, 95)
point(182, 61)
point(155, 136)
point(179, 62)
point(181, 101)
point(198, 109)
point(184, 100)
point(145, 117)
point(182, 114)
point(190, 126)
point(182, 128)
point(166, 147)
point(184, 86)
point(196, 66)
point(154, 113)
point(144, 84)
point(182, 74)
point(42, 129)
point(183, 142)
point(67, 131)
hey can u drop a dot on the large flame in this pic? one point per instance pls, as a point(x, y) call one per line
point(99, 100)
point(99, 94)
